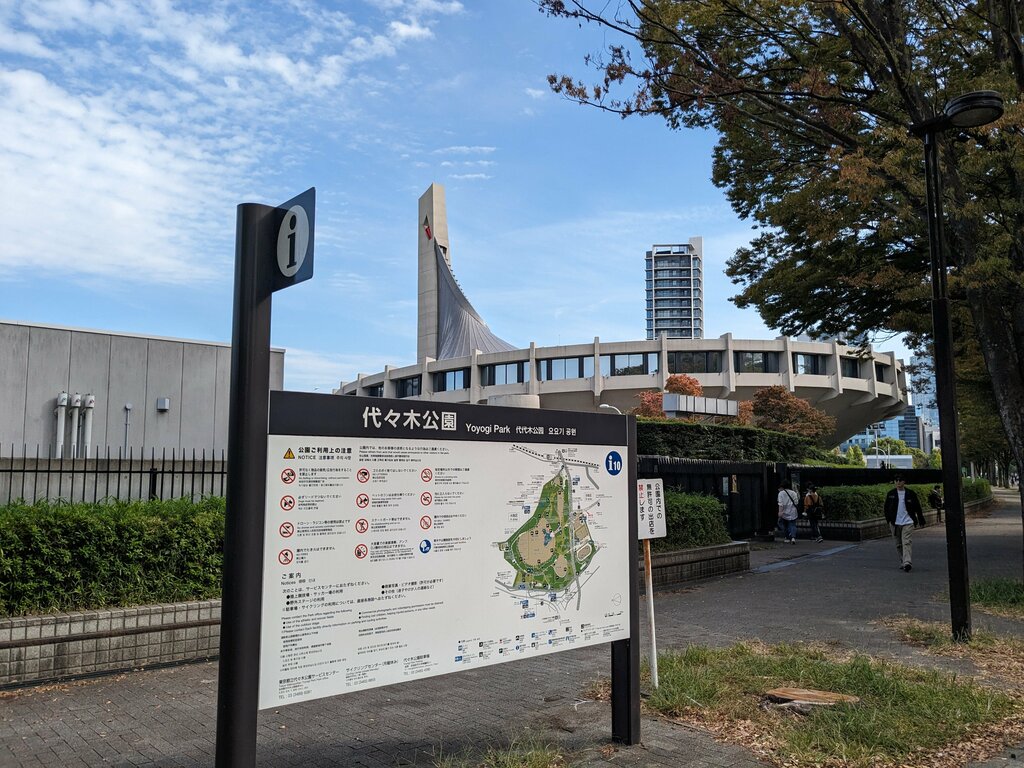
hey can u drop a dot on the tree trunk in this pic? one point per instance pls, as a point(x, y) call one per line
point(1002, 344)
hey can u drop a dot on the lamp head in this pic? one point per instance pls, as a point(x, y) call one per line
point(974, 109)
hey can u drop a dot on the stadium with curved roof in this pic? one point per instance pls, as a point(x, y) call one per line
point(460, 360)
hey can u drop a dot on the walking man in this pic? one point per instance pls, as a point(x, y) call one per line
point(903, 512)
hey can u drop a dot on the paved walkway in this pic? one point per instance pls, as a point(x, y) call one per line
point(824, 592)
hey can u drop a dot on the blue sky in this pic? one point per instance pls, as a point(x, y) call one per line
point(130, 130)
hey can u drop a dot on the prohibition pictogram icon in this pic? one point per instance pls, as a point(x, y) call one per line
point(285, 557)
point(288, 476)
point(426, 498)
point(362, 525)
point(427, 475)
point(426, 522)
point(362, 501)
point(361, 551)
point(363, 475)
point(286, 529)
point(287, 502)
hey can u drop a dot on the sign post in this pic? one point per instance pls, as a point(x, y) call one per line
point(273, 250)
point(650, 499)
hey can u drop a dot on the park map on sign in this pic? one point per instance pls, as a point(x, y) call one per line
point(552, 549)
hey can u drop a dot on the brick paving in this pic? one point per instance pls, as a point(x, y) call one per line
point(824, 592)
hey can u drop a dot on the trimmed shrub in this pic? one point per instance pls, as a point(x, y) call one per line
point(976, 489)
point(689, 440)
point(864, 502)
point(692, 520)
point(65, 557)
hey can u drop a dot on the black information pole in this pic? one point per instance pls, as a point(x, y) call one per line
point(626, 653)
point(238, 685)
point(267, 258)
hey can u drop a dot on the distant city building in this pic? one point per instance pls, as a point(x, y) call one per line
point(909, 427)
point(925, 403)
point(675, 290)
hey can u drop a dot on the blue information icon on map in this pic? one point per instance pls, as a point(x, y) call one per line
point(613, 463)
point(425, 546)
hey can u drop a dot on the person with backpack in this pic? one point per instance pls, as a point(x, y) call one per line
point(935, 499)
point(789, 501)
point(814, 511)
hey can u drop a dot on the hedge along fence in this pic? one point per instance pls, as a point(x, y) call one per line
point(684, 439)
point(66, 557)
point(692, 520)
point(865, 502)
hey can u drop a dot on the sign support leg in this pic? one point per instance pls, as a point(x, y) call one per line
point(626, 653)
point(649, 589)
point(238, 684)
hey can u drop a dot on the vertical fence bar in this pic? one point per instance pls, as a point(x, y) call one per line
point(24, 465)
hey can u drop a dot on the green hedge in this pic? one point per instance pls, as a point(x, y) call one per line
point(692, 520)
point(688, 440)
point(864, 502)
point(64, 557)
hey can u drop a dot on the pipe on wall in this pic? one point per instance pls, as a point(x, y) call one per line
point(88, 404)
point(60, 411)
point(76, 404)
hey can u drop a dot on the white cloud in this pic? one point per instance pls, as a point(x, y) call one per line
point(464, 150)
point(23, 43)
point(123, 157)
point(535, 93)
point(470, 176)
point(309, 370)
point(410, 31)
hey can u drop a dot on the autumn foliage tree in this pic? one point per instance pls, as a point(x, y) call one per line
point(650, 405)
point(681, 384)
point(779, 409)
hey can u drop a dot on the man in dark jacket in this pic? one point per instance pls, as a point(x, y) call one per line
point(903, 512)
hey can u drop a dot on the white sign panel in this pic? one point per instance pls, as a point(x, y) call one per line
point(650, 509)
point(388, 560)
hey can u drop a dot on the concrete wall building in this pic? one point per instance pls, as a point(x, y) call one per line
point(132, 391)
point(675, 290)
point(460, 360)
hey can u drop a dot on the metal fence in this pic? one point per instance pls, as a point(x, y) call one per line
point(746, 488)
point(122, 475)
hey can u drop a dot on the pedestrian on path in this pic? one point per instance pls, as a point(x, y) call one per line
point(813, 511)
point(903, 513)
point(789, 506)
point(935, 499)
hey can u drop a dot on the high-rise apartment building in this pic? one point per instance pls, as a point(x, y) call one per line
point(675, 290)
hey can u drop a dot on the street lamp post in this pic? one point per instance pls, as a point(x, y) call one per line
point(968, 111)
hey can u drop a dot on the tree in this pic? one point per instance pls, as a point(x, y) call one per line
point(650, 405)
point(681, 384)
point(812, 102)
point(855, 456)
point(779, 409)
point(889, 445)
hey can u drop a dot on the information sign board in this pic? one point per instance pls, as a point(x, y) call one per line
point(425, 538)
point(650, 509)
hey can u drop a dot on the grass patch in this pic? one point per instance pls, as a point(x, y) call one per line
point(1004, 597)
point(520, 753)
point(993, 655)
point(904, 714)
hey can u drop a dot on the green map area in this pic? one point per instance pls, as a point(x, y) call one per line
point(553, 547)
